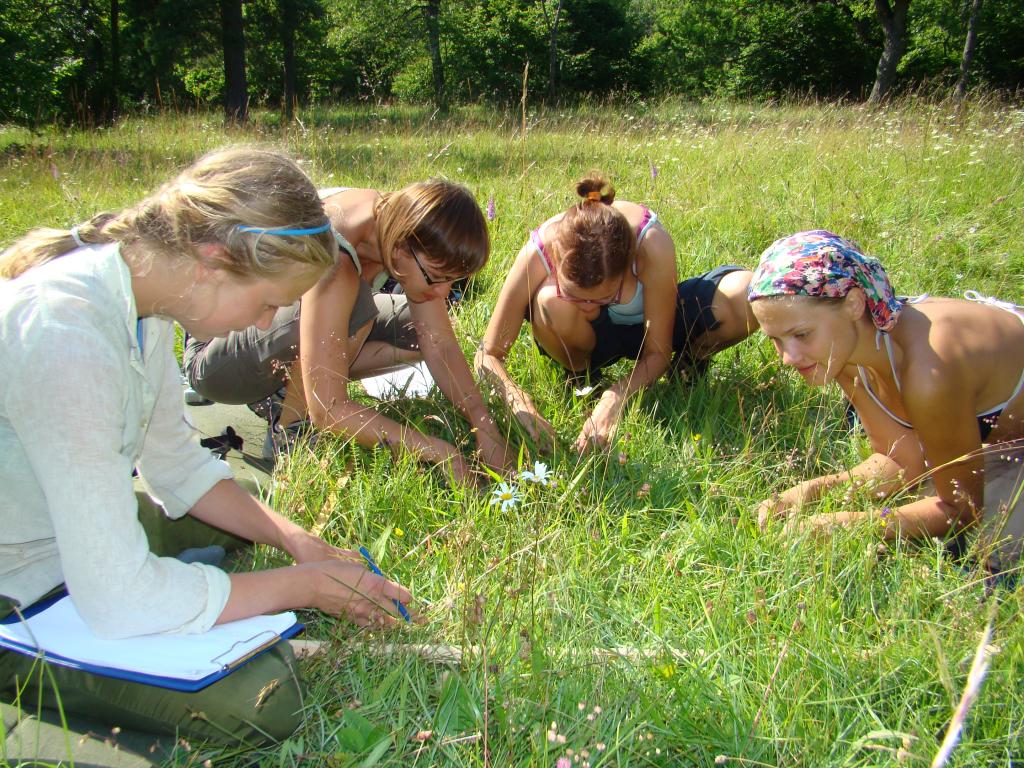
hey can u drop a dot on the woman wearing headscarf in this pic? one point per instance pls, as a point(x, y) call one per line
point(936, 382)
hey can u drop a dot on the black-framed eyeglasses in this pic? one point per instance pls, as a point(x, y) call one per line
point(426, 275)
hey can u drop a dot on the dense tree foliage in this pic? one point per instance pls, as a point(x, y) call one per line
point(86, 59)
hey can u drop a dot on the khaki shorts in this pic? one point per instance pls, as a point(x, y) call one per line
point(251, 365)
point(1003, 519)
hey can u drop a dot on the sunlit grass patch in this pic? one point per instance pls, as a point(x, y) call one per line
point(631, 613)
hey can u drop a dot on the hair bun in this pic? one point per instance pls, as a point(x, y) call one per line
point(595, 188)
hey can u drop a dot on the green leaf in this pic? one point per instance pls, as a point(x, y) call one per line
point(457, 711)
point(378, 751)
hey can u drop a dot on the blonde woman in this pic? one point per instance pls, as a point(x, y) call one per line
point(426, 236)
point(933, 380)
point(598, 283)
point(91, 389)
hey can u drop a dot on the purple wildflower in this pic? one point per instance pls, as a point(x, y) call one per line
point(492, 210)
point(654, 171)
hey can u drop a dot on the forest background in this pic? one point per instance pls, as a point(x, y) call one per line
point(632, 614)
point(89, 60)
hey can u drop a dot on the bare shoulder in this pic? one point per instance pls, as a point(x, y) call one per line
point(548, 223)
point(527, 268)
point(954, 330)
point(351, 211)
point(634, 212)
point(342, 196)
point(340, 280)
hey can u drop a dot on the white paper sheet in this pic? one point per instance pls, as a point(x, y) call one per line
point(409, 381)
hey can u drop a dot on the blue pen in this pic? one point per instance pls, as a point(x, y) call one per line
point(373, 567)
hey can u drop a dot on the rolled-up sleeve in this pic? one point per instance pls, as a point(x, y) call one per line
point(69, 397)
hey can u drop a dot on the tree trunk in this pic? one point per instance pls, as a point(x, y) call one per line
point(115, 57)
point(92, 101)
point(236, 88)
point(893, 18)
point(432, 9)
point(553, 50)
point(288, 24)
point(968, 57)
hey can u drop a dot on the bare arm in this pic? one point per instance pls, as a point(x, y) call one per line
point(231, 508)
point(448, 366)
point(338, 587)
point(659, 277)
point(325, 577)
point(925, 517)
point(879, 471)
point(502, 331)
point(895, 461)
point(325, 355)
point(900, 455)
point(948, 443)
point(938, 400)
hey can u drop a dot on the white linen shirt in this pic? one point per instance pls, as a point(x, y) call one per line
point(80, 405)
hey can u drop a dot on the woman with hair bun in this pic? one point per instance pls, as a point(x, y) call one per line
point(425, 236)
point(92, 389)
point(598, 283)
point(937, 383)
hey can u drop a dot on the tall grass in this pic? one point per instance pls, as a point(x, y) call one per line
point(633, 615)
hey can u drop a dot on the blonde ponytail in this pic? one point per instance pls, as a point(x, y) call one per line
point(211, 201)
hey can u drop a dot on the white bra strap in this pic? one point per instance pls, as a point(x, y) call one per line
point(992, 301)
point(892, 361)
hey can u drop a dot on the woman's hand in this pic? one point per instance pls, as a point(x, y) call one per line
point(601, 424)
point(779, 505)
point(494, 452)
point(448, 459)
point(537, 427)
point(347, 588)
point(305, 547)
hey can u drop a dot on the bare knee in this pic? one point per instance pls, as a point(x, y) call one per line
point(733, 315)
point(562, 331)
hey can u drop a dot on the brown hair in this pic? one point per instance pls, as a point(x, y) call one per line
point(593, 240)
point(206, 203)
point(440, 217)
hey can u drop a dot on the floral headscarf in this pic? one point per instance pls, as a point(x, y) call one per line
point(821, 264)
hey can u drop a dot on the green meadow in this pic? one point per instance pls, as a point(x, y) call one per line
point(632, 614)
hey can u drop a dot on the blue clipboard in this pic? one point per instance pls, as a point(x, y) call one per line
point(222, 670)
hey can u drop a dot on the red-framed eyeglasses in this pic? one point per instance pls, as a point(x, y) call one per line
point(589, 302)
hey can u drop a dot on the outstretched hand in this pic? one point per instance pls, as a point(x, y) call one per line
point(538, 428)
point(347, 588)
point(495, 452)
point(343, 585)
point(600, 426)
point(776, 506)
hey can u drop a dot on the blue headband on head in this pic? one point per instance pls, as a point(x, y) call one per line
point(285, 230)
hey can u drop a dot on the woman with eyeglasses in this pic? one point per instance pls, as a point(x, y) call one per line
point(425, 236)
point(598, 283)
